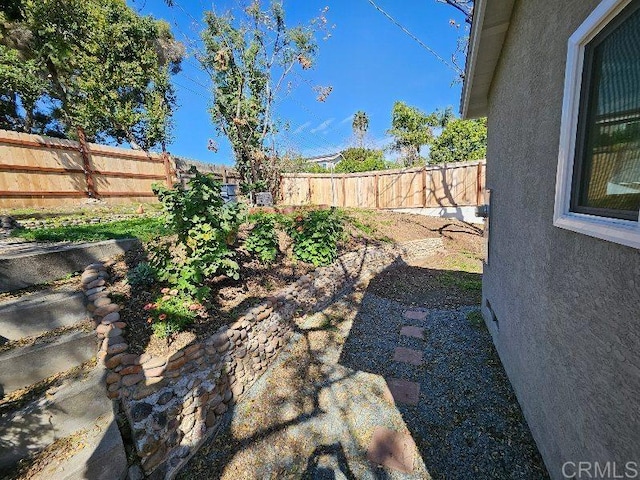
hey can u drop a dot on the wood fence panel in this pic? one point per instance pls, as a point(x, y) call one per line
point(403, 190)
point(295, 190)
point(360, 191)
point(432, 186)
point(324, 190)
point(121, 177)
point(38, 171)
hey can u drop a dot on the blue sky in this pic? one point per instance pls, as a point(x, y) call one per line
point(368, 61)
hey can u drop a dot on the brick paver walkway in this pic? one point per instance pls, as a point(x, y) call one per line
point(392, 449)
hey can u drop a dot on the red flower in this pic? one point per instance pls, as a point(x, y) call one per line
point(194, 306)
point(162, 316)
point(149, 320)
point(165, 290)
point(299, 218)
point(148, 306)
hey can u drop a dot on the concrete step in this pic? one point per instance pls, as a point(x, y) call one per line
point(30, 263)
point(37, 313)
point(102, 456)
point(73, 406)
point(24, 366)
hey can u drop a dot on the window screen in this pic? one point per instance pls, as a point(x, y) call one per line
point(607, 162)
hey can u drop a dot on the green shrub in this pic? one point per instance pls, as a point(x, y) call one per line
point(315, 236)
point(141, 275)
point(206, 228)
point(263, 238)
point(361, 160)
point(171, 313)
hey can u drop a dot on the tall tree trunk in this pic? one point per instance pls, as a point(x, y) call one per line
point(86, 164)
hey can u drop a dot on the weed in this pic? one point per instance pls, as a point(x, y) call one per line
point(141, 275)
point(475, 318)
point(171, 313)
point(462, 280)
point(363, 227)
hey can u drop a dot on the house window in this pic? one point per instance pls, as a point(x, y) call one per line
point(598, 189)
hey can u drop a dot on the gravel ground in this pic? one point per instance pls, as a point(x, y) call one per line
point(467, 423)
point(313, 414)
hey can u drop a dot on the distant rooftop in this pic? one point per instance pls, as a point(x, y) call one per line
point(324, 158)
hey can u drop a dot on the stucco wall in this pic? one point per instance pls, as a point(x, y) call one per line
point(568, 305)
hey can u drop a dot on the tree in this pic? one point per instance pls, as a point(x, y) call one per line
point(89, 65)
point(461, 140)
point(361, 160)
point(411, 129)
point(360, 126)
point(248, 60)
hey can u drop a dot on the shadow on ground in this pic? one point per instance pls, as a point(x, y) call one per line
point(314, 413)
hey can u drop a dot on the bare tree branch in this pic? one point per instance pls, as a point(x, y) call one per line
point(463, 6)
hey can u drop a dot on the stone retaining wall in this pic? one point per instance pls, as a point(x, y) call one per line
point(175, 403)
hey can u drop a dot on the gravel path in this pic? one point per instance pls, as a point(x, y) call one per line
point(313, 415)
point(467, 423)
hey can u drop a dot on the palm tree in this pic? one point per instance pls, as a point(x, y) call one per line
point(360, 126)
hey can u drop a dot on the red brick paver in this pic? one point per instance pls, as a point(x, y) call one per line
point(415, 315)
point(407, 355)
point(410, 331)
point(404, 391)
point(392, 449)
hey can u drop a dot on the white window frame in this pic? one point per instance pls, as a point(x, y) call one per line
point(625, 232)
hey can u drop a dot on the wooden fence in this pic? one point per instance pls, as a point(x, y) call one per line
point(458, 184)
point(37, 171)
point(224, 173)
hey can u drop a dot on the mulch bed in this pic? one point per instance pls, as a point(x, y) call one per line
point(230, 298)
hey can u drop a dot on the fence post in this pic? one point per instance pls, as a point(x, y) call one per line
point(376, 191)
point(344, 191)
point(424, 187)
point(479, 200)
point(167, 168)
point(309, 181)
point(86, 163)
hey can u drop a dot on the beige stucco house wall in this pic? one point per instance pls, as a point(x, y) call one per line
point(567, 304)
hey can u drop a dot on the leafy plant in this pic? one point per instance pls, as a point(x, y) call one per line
point(171, 313)
point(206, 230)
point(263, 239)
point(315, 236)
point(142, 274)
point(259, 186)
